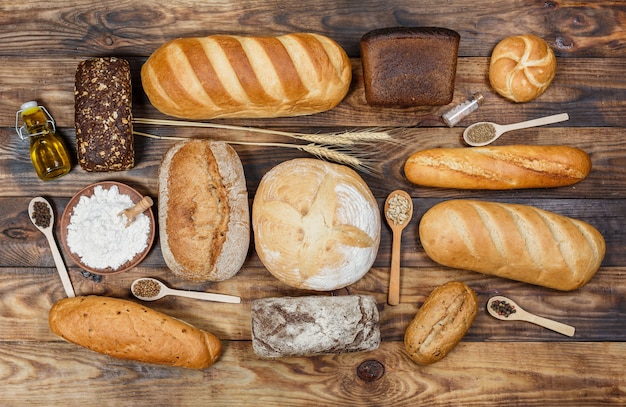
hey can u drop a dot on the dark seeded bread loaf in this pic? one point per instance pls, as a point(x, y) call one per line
point(103, 117)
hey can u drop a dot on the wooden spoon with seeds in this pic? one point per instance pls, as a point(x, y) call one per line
point(483, 133)
point(516, 313)
point(398, 212)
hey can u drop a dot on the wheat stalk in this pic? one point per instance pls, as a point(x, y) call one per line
point(328, 153)
point(346, 138)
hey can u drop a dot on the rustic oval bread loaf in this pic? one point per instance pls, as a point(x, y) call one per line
point(441, 322)
point(247, 77)
point(314, 325)
point(316, 224)
point(514, 241)
point(498, 167)
point(204, 214)
point(127, 330)
point(522, 67)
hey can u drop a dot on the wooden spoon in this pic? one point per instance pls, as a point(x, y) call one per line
point(140, 207)
point(161, 290)
point(474, 138)
point(398, 212)
point(518, 314)
point(46, 229)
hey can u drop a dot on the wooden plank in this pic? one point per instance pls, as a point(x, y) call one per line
point(473, 374)
point(69, 28)
point(593, 94)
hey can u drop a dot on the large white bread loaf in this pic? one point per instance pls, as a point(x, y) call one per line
point(204, 214)
point(247, 77)
point(518, 242)
point(498, 167)
point(314, 325)
point(316, 224)
point(127, 330)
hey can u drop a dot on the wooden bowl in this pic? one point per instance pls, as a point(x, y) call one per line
point(69, 211)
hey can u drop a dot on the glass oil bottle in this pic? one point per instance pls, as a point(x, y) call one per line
point(47, 150)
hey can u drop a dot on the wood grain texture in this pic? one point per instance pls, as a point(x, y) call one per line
point(497, 363)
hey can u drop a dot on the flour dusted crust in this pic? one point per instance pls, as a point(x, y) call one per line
point(204, 217)
point(316, 224)
point(514, 241)
point(522, 67)
point(127, 330)
point(314, 325)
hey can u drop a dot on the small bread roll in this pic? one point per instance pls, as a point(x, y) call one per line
point(316, 224)
point(522, 67)
point(441, 322)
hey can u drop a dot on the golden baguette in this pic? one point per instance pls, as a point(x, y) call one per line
point(127, 330)
point(513, 241)
point(498, 167)
point(247, 77)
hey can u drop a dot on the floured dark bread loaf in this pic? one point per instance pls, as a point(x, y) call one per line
point(103, 117)
point(409, 66)
point(314, 325)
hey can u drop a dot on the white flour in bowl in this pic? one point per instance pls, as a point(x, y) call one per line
point(99, 236)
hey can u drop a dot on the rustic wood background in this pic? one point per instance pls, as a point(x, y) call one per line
point(497, 363)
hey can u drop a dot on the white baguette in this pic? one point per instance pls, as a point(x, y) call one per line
point(513, 241)
point(498, 167)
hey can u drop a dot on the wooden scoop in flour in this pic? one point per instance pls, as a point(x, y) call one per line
point(140, 207)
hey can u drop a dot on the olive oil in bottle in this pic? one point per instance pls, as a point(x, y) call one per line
point(47, 150)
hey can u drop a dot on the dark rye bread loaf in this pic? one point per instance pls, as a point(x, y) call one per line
point(409, 66)
point(314, 325)
point(103, 117)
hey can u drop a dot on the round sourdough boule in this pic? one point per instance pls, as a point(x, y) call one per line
point(204, 217)
point(522, 67)
point(316, 224)
point(441, 322)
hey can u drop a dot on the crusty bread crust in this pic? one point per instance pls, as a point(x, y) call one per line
point(204, 215)
point(441, 322)
point(247, 77)
point(513, 241)
point(522, 67)
point(127, 330)
point(316, 224)
point(498, 167)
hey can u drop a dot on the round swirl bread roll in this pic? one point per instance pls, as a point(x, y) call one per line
point(522, 67)
point(316, 224)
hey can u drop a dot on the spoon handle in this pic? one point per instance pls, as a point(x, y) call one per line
point(564, 329)
point(542, 121)
point(394, 275)
point(206, 296)
point(58, 260)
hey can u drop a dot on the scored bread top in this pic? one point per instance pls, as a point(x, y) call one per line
point(203, 210)
point(514, 241)
point(316, 224)
point(237, 76)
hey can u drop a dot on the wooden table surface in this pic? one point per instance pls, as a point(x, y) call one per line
point(497, 363)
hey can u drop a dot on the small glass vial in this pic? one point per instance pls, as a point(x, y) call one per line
point(459, 112)
point(47, 150)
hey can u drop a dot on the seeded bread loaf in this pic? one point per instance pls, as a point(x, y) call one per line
point(441, 322)
point(409, 66)
point(103, 115)
point(314, 325)
point(204, 215)
point(513, 241)
point(127, 330)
